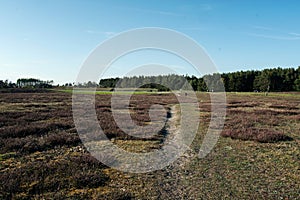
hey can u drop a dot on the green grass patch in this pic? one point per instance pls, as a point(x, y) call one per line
point(7, 155)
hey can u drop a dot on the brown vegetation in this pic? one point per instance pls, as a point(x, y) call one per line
point(42, 155)
point(41, 124)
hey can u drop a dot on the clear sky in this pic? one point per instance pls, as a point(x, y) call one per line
point(50, 39)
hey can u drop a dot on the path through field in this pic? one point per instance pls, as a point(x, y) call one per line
point(235, 169)
point(256, 157)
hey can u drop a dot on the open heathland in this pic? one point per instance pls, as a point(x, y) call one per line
point(256, 157)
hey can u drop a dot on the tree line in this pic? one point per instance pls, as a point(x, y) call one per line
point(273, 80)
point(26, 83)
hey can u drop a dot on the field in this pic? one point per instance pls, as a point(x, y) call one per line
point(257, 157)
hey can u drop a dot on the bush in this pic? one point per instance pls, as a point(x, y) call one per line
point(253, 134)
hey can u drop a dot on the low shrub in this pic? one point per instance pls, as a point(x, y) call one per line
point(254, 134)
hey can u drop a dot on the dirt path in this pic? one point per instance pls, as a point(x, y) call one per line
point(172, 182)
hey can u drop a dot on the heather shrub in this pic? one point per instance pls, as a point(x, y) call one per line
point(254, 134)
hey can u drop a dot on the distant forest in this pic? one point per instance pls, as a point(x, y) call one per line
point(267, 80)
point(273, 80)
point(26, 83)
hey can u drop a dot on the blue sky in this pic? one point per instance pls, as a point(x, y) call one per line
point(50, 39)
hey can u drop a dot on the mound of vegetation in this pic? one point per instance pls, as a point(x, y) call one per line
point(254, 134)
point(254, 121)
